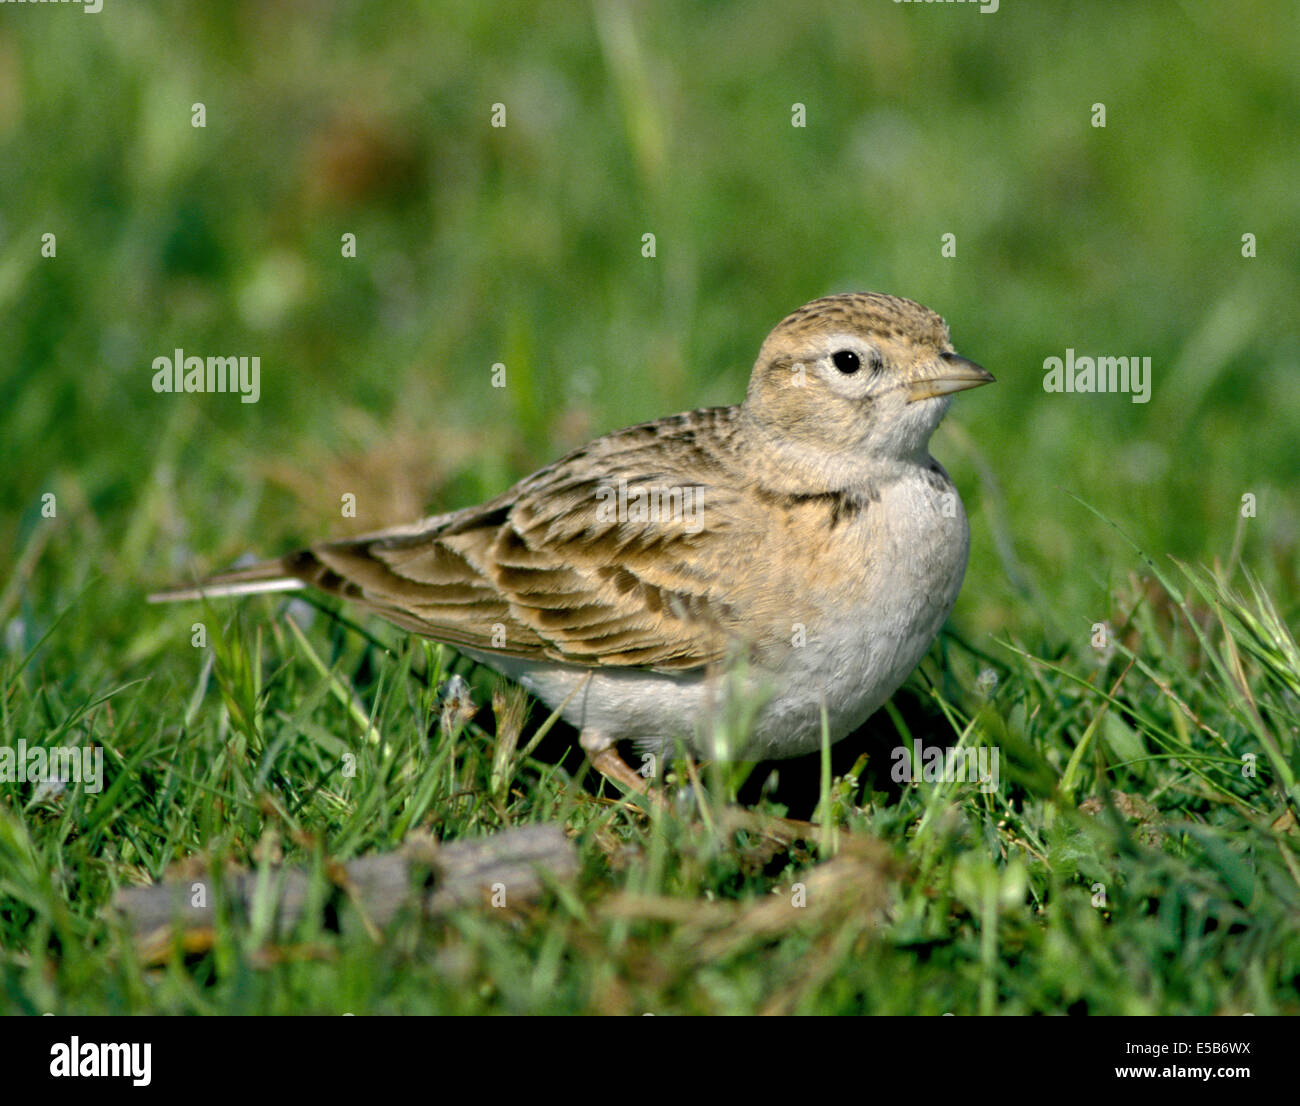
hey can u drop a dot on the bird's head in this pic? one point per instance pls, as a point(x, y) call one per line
point(859, 374)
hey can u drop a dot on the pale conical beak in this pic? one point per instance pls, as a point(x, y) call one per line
point(956, 374)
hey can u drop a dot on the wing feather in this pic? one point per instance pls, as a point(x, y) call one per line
point(540, 573)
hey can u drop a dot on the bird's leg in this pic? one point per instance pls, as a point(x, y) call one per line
point(606, 760)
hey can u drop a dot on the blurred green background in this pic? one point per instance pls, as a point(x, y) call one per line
point(522, 245)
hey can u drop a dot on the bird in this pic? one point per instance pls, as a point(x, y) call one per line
point(748, 580)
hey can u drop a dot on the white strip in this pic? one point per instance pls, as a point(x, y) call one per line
point(223, 591)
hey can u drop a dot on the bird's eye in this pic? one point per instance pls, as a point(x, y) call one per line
point(846, 361)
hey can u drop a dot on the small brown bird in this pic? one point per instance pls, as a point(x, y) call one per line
point(727, 576)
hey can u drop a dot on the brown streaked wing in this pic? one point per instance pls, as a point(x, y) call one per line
point(566, 583)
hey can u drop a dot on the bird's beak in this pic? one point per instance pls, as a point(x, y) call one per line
point(956, 374)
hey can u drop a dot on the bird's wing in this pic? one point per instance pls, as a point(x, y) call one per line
point(625, 553)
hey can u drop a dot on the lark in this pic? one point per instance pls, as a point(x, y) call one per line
point(735, 578)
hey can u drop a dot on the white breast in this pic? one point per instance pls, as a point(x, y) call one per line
point(918, 541)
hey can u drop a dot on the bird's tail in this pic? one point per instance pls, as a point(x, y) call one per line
point(291, 573)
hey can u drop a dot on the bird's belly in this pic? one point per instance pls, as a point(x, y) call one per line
point(650, 708)
point(849, 672)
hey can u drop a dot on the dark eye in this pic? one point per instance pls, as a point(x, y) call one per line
point(846, 361)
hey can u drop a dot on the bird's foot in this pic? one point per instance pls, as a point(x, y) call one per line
point(605, 758)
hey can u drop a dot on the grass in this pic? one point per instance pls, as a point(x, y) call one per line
point(1123, 638)
point(1140, 855)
